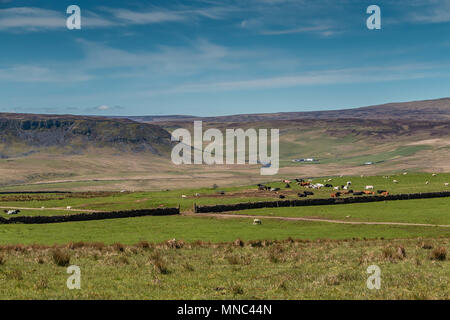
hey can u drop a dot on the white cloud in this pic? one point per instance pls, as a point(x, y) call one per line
point(321, 29)
point(37, 73)
point(145, 17)
point(37, 19)
point(30, 18)
point(326, 77)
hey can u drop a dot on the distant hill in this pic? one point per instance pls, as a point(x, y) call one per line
point(430, 110)
point(158, 118)
point(22, 134)
point(66, 152)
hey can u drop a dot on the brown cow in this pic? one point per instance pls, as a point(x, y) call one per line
point(335, 194)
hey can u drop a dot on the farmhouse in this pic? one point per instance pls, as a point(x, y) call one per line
point(304, 160)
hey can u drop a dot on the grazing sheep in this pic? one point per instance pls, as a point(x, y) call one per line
point(394, 181)
point(12, 211)
point(427, 182)
point(69, 207)
point(369, 188)
point(256, 221)
point(184, 196)
point(446, 184)
point(433, 175)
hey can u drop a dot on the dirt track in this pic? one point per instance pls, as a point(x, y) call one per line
point(223, 215)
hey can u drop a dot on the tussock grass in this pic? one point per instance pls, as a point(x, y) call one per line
point(61, 258)
point(439, 254)
point(159, 263)
point(279, 269)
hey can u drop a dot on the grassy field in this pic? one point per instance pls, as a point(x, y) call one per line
point(427, 211)
point(111, 201)
point(131, 258)
point(188, 228)
point(410, 269)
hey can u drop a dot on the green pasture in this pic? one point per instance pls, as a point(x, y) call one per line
point(409, 183)
point(426, 211)
point(188, 228)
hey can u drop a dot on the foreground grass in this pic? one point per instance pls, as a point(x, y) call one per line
point(253, 270)
point(156, 229)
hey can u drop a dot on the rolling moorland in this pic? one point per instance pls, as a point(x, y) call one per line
point(310, 252)
point(88, 153)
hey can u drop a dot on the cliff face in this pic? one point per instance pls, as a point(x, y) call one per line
point(33, 132)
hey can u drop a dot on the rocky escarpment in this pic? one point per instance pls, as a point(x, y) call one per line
point(22, 134)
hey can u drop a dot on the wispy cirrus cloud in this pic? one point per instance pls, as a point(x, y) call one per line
point(38, 19)
point(39, 73)
point(431, 11)
point(30, 18)
point(320, 77)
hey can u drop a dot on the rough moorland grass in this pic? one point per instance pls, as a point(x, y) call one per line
point(156, 229)
point(429, 211)
point(288, 269)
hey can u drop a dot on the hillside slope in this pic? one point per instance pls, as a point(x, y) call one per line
point(430, 110)
point(22, 134)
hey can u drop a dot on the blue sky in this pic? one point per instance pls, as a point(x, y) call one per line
point(212, 57)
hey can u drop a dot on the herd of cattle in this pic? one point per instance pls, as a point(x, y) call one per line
point(337, 190)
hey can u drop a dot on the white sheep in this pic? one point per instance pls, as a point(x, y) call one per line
point(256, 221)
